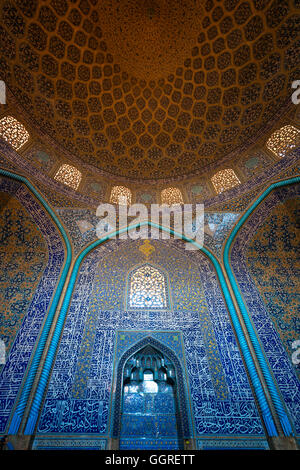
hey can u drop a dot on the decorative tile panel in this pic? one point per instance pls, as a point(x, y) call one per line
point(40, 278)
point(268, 277)
point(79, 393)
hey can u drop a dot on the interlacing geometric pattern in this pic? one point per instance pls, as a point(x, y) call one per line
point(272, 259)
point(120, 195)
point(147, 288)
point(146, 89)
point(31, 258)
point(224, 179)
point(24, 256)
point(68, 175)
point(13, 132)
point(171, 196)
point(283, 140)
point(81, 403)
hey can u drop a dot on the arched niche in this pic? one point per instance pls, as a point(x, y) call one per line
point(31, 265)
point(146, 370)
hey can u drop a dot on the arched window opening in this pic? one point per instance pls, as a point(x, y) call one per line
point(147, 288)
point(13, 132)
point(120, 195)
point(224, 179)
point(283, 140)
point(150, 409)
point(68, 175)
point(171, 196)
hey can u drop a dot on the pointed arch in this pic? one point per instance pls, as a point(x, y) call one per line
point(181, 390)
point(266, 404)
point(278, 404)
point(33, 366)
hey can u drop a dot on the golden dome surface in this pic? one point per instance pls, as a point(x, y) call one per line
point(150, 89)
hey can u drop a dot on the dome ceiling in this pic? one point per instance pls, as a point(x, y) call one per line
point(150, 89)
point(150, 38)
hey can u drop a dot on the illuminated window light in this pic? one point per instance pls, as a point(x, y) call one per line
point(224, 179)
point(171, 196)
point(13, 132)
point(283, 140)
point(120, 195)
point(147, 288)
point(68, 175)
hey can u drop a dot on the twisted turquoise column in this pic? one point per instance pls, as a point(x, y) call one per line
point(276, 399)
point(23, 399)
point(264, 407)
point(36, 404)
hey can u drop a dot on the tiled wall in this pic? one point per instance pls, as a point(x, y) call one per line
point(82, 397)
point(197, 330)
point(31, 258)
point(266, 264)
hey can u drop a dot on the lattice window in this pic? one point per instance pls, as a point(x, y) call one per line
point(13, 132)
point(224, 179)
point(171, 196)
point(283, 140)
point(120, 195)
point(147, 288)
point(68, 175)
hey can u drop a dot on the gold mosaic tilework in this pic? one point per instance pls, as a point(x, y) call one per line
point(23, 258)
point(273, 261)
point(150, 89)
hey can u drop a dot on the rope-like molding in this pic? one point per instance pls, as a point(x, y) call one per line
point(277, 401)
point(265, 410)
point(37, 401)
point(23, 399)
